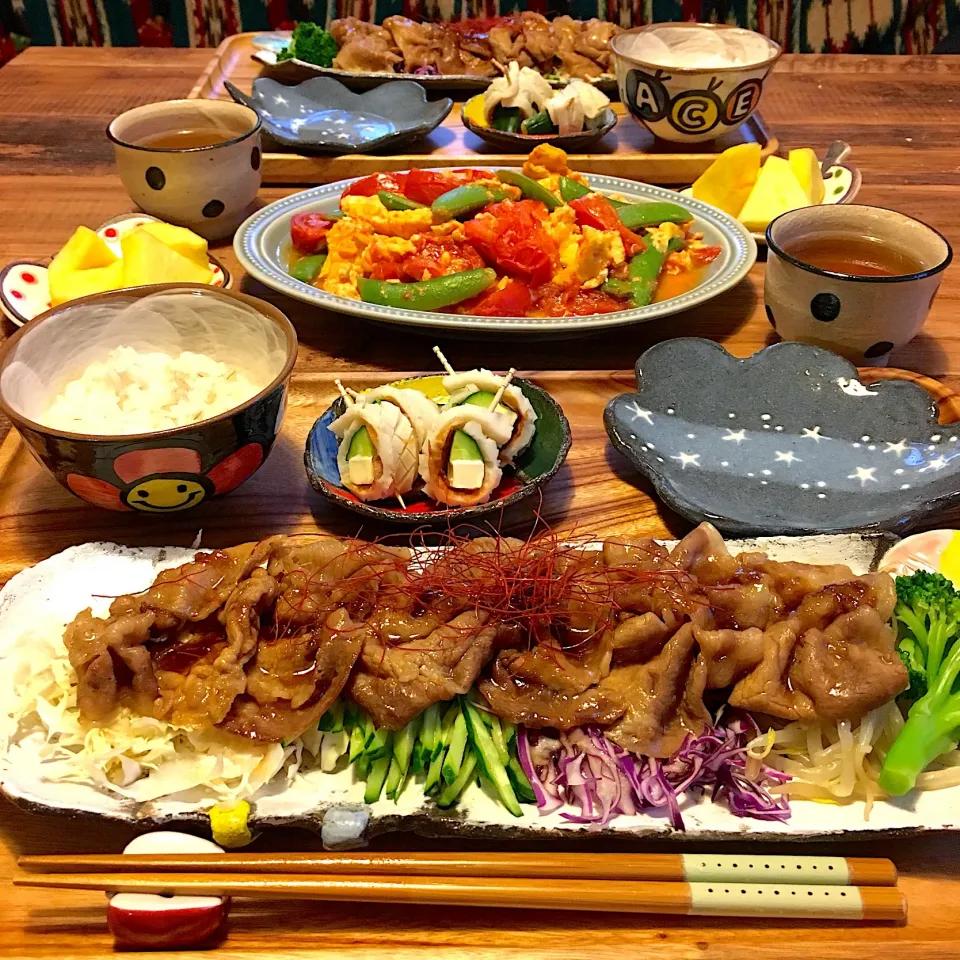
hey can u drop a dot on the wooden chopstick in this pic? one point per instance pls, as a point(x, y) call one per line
point(720, 868)
point(608, 896)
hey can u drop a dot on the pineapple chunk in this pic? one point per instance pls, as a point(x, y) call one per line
point(776, 191)
point(184, 241)
point(147, 260)
point(727, 182)
point(85, 265)
point(67, 283)
point(806, 168)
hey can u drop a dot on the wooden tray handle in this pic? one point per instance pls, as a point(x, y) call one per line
point(947, 398)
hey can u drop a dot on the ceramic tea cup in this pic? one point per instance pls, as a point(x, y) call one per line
point(863, 318)
point(209, 189)
point(690, 104)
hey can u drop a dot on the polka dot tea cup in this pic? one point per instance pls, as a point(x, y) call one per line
point(863, 318)
point(210, 189)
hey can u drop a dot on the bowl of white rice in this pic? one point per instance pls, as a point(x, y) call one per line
point(692, 82)
point(152, 399)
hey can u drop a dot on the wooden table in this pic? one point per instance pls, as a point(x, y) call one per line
point(56, 170)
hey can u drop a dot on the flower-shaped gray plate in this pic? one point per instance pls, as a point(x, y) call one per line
point(321, 115)
point(786, 441)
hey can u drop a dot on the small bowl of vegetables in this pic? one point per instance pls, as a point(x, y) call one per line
point(521, 109)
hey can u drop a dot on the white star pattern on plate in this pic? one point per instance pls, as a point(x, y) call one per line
point(863, 474)
point(687, 459)
point(812, 434)
point(639, 413)
point(787, 457)
point(737, 436)
point(937, 464)
point(898, 448)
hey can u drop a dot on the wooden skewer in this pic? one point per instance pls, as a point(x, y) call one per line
point(498, 396)
point(608, 896)
point(347, 399)
point(718, 868)
point(444, 362)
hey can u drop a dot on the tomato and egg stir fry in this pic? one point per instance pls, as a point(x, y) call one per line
point(498, 243)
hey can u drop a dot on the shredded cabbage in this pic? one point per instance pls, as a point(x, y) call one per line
point(136, 757)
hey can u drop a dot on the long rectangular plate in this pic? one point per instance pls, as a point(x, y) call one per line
point(40, 601)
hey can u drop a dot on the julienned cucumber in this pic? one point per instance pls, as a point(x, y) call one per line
point(453, 790)
point(453, 760)
point(488, 760)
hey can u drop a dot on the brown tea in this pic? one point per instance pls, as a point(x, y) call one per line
point(857, 256)
point(186, 139)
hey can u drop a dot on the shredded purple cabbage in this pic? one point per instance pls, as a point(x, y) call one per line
point(582, 768)
point(427, 70)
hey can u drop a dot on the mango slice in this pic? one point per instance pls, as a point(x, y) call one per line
point(184, 241)
point(776, 191)
point(147, 260)
point(806, 168)
point(727, 182)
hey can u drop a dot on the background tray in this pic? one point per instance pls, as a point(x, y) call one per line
point(629, 150)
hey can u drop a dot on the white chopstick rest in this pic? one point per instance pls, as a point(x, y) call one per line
point(775, 900)
point(834, 871)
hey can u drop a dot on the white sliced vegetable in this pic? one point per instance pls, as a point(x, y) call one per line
point(577, 102)
point(334, 746)
point(521, 87)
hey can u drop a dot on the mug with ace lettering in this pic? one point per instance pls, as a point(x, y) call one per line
point(691, 103)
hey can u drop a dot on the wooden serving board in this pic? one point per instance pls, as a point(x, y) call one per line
point(629, 150)
point(596, 492)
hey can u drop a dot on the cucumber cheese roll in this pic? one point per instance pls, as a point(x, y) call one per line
point(377, 454)
point(419, 409)
point(459, 462)
point(479, 388)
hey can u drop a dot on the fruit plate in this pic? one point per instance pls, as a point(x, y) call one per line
point(842, 184)
point(532, 469)
point(25, 290)
point(263, 241)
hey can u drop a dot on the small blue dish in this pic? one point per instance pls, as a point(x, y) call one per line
point(321, 115)
point(788, 441)
point(532, 469)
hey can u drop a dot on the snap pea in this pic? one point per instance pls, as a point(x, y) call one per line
point(394, 201)
point(643, 272)
point(427, 294)
point(538, 124)
point(529, 188)
point(465, 201)
point(506, 119)
point(306, 269)
point(634, 215)
point(572, 189)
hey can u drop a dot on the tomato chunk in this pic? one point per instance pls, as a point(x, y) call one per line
point(308, 232)
point(437, 258)
point(510, 236)
point(595, 210)
point(513, 300)
point(554, 301)
point(372, 185)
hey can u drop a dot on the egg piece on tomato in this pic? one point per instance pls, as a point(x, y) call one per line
point(165, 922)
point(937, 551)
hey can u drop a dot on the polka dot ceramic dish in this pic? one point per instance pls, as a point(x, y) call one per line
point(25, 292)
point(788, 441)
point(841, 183)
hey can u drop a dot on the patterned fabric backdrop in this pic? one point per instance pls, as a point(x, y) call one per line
point(801, 26)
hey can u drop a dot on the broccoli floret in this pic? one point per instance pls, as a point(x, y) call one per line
point(310, 43)
point(928, 607)
point(914, 661)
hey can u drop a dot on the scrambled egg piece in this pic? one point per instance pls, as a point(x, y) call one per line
point(586, 257)
point(389, 223)
point(346, 242)
point(545, 160)
point(661, 236)
point(385, 248)
point(451, 230)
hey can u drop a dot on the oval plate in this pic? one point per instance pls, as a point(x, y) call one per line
point(524, 142)
point(533, 468)
point(261, 241)
point(25, 289)
point(842, 185)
